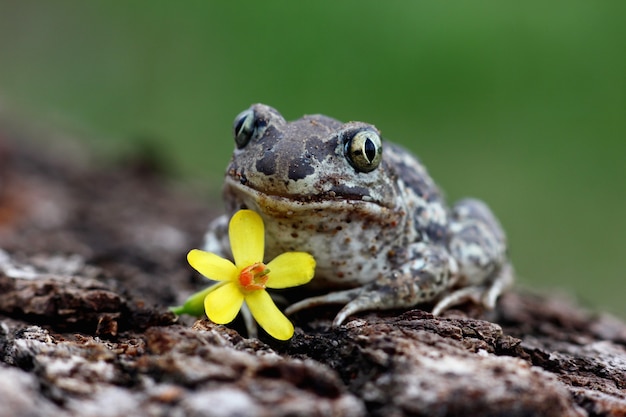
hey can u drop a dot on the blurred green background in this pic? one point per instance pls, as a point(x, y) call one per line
point(521, 105)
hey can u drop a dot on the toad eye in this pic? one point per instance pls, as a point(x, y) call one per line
point(243, 128)
point(364, 150)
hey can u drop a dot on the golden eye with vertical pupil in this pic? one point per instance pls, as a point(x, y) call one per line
point(364, 150)
point(243, 128)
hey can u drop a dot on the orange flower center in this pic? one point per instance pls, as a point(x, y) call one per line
point(254, 277)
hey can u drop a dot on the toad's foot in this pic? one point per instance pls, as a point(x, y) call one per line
point(422, 280)
point(374, 297)
point(348, 297)
point(423, 274)
point(485, 295)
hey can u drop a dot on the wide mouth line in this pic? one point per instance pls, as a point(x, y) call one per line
point(324, 199)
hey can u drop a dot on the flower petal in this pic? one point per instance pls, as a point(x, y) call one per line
point(223, 304)
point(212, 266)
point(194, 305)
point(290, 269)
point(268, 315)
point(247, 238)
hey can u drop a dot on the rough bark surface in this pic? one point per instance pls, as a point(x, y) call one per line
point(91, 256)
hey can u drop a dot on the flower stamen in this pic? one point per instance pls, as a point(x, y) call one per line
point(254, 277)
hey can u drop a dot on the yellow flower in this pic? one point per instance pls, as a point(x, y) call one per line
point(247, 279)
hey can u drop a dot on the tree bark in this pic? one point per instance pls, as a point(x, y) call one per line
point(92, 254)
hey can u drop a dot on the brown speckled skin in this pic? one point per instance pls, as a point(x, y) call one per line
point(386, 237)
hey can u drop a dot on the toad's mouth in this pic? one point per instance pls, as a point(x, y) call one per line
point(269, 198)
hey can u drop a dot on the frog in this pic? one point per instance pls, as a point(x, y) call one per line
point(378, 226)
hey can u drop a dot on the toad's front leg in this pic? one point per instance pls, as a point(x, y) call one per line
point(216, 238)
point(424, 272)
